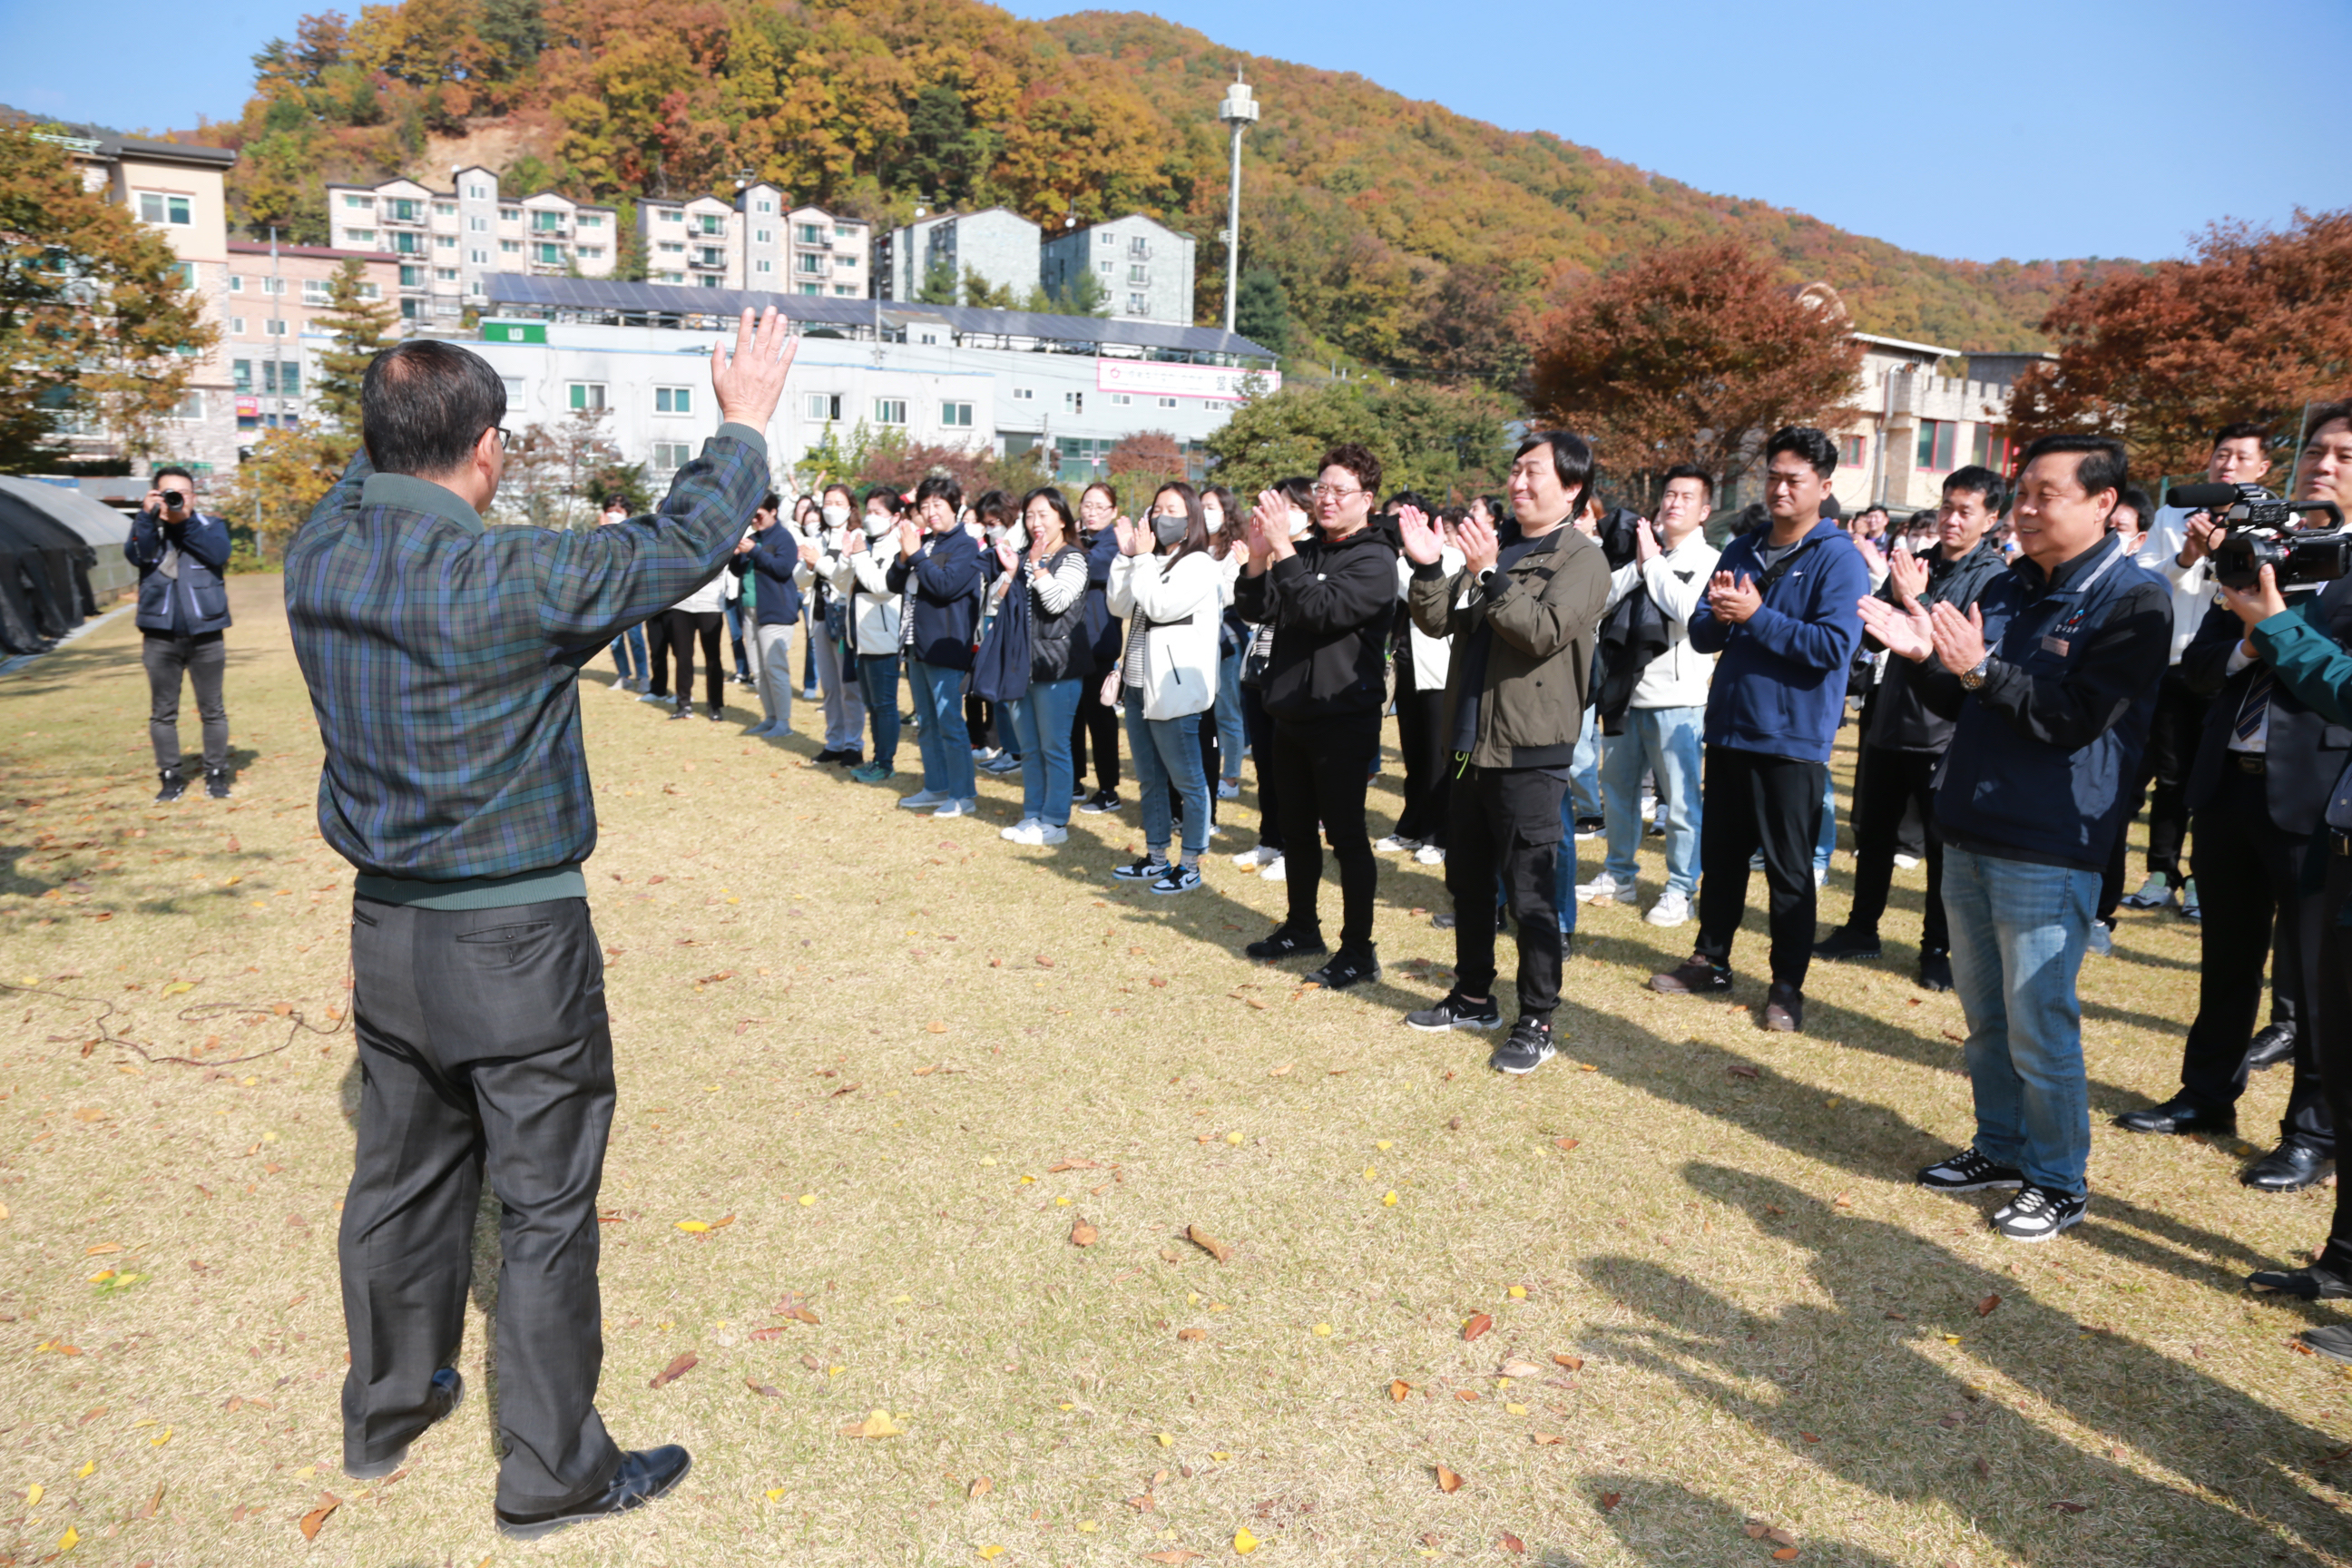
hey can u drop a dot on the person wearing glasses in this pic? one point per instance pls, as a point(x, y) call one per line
point(1330, 600)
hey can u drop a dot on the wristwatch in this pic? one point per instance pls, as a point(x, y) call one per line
point(1972, 678)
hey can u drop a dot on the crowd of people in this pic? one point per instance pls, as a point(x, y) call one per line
point(1557, 670)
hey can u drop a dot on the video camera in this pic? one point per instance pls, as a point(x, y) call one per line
point(2265, 532)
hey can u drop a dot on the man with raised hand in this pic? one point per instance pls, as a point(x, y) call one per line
point(442, 660)
point(2050, 678)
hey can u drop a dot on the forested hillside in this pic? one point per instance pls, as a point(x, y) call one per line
point(1401, 234)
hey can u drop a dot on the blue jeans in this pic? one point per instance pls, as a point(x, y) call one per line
point(628, 647)
point(1827, 839)
point(1564, 870)
point(946, 744)
point(1584, 772)
point(1666, 740)
point(736, 626)
point(1167, 753)
point(877, 683)
point(1041, 729)
point(1232, 737)
point(2017, 935)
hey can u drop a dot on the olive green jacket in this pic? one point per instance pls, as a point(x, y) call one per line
point(1543, 613)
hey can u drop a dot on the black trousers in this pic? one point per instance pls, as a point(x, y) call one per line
point(2327, 960)
point(203, 659)
point(684, 627)
point(1101, 722)
point(1421, 736)
point(2174, 732)
point(1259, 726)
point(2249, 876)
point(1885, 791)
point(1322, 767)
point(1505, 822)
point(1773, 804)
point(483, 1046)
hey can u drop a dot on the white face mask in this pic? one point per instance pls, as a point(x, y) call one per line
point(1301, 525)
point(1016, 536)
point(1215, 521)
point(878, 524)
point(834, 516)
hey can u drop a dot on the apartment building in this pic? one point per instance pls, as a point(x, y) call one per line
point(272, 298)
point(445, 242)
point(759, 241)
point(1143, 267)
point(998, 245)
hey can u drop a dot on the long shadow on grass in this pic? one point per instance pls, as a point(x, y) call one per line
point(2011, 1478)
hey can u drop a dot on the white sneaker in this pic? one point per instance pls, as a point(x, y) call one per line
point(1603, 888)
point(1229, 789)
point(1018, 833)
point(983, 754)
point(1274, 871)
point(1672, 908)
point(1050, 833)
point(1392, 845)
point(1430, 854)
point(1821, 876)
point(958, 808)
point(924, 800)
point(1250, 859)
point(1906, 862)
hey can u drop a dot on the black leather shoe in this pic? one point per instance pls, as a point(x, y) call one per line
point(449, 1393)
point(645, 1475)
point(1934, 969)
point(2179, 1114)
point(2313, 1282)
point(2289, 1168)
point(2272, 1045)
point(1846, 945)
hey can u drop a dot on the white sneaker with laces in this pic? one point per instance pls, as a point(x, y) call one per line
point(1430, 854)
point(923, 800)
point(1250, 859)
point(1906, 862)
point(1016, 833)
point(1050, 833)
point(1604, 888)
point(1821, 876)
point(1392, 845)
point(1673, 909)
point(958, 808)
point(1274, 871)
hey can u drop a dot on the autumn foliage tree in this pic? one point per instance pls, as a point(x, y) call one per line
point(2251, 326)
point(1692, 355)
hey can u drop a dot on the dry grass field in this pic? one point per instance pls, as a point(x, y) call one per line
point(889, 1063)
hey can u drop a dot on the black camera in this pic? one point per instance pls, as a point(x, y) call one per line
point(175, 499)
point(2265, 532)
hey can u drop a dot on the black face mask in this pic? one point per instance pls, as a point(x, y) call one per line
point(1170, 530)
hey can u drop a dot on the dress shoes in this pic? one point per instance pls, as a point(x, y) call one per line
point(2312, 1282)
point(2272, 1045)
point(2289, 1168)
point(2179, 1114)
point(645, 1475)
point(449, 1393)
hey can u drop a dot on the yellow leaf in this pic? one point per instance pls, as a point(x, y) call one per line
point(1221, 1459)
point(987, 1159)
point(1087, 1527)
point(1384, 1145)
point(808, 1200)
point(1062, 1203)
point(33, 1495)
point(1367, 1173)
point(69, 1540)
point(775, 1494)
point(1066, 1405)
point(1517, 1409)
point(1243, 1541)
point(902, 1300)
point(84, 1473)
point(1951, 1339)
point(991, 1553)
point(1166, 1441)
point(101, 1276)
point(1517, 1292)
point(1389, 1198)
point(879, 1425)
point(692, 1226)
point(159, 1442)
point(176, 987)
point(1234, 1139)
point(1322, 1330)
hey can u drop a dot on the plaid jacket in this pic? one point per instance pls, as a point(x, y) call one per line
point(441, 657)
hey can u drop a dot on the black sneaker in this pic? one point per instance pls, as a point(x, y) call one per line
point(644, 1474)
point(2038, 1214)
point(1934, 969)
point(1347, 969)
point(830, 754)
point(175, 785)
point(715, 713)
point(1454, 1013)
point(1530, 1045)
point(687, 712)
point(2313, 1282)
point(1077, 792)
point(1694, 977)
point(1969, 1172)
point(1104, 800)
point(217, 783)
point(1846, 945)
point(1285, 943)
point(1150, 868)
point(1179, 879)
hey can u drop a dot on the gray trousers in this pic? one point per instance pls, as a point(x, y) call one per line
point(844, 707)
point(204, 658)
point(483, 1046)
point(772, 668)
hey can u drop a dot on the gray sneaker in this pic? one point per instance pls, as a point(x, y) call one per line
point(925, 800)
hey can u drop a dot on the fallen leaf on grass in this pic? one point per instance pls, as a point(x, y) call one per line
point(1985, 1307)
point(318, 1516)
point(1611, 1499)
point(1192, 1333)
point(1144, 1502)
point(1546, 1440)
point(1282, 1071)
point(1447, 1481)
point(1208, 1244)
point(1786, 1555)
point(1477, 1323)
point(1082, 1234)
point(1564, 1144)
point(1178, 1555)
point(1520, 1369)
point(685, 1363)
point(937, 1026)
point(2064, 1507)
point(764, 1390)
point(981, 1488)
point(1398, 1389)
point(1060, 1165)
point(1466, 1395)
point(774, 1331)
point(1740, 1070)
point(1573, 1363)
point(1510, 1542)
point(990, 1553)
point(1956, 1039)
point(878, 1424)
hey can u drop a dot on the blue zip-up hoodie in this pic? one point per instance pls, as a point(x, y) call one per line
point(774, 554)
point(2041, 762)
point(195, 603)
point(943, 582)
point(1780, 687)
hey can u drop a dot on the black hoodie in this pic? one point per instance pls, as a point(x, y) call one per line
point(1331, 605)
point(1897, 719)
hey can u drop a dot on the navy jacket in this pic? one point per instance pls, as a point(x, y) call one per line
point(2040, 765)
point(1780, 687)
point(1102, 628)
point(774, 554)
point(1895, 720)
point(944, 581)
point(196, 602)
point(2308, 751)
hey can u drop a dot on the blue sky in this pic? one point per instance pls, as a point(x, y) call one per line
point(2003, 128)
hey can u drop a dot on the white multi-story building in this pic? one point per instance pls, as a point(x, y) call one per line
point(1143, 267)
point(447, 242)
point(760, 242)
point(997, 244)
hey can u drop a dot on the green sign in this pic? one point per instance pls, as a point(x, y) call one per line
point(514, 331)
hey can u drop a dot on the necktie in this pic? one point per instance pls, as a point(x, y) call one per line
point(2256, 709)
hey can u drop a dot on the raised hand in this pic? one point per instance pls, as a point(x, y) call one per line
point(1646, 547)
point(2254, 605)
point(1131, 536)
point(1910, 574)
point(1422, 545)
point(1906, 631)
point(749, 379)
point(1479, 546)
point(1733, 599)
point(910, 538)
point(1959, 640)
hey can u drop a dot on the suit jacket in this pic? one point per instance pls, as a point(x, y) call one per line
point(2306, 750)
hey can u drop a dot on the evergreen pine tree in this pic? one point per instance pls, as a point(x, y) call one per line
point(1262, 310)
point(362, 330)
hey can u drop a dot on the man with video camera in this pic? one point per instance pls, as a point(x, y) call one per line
point(2305, 650)
point(2257, 791)
point(183, 611)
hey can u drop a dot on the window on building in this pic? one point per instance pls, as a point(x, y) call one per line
point(444, 209)
point(370, 291)
point(812, 287)
point(763, 265)
point(844, 289)
point(670, 214)
point(1024, 395)
point(956, 415)
point(545, 221)
point(1853, 450)
point(672, 400)
point(1139, 246)
point(359, 204)
point(1104, 268)
point(273, 285)
point(445, 274)
point(477, 258)
point(1991, 449)
point(1136, 304)
point(843, 231)
point(672, 247)
point(889, 411)
point(1167, 402)
point(237, 326)
point(763, 206)
point(1106, 236)
point(277, 378)
point(408, 309)
point(445, 242)
point(585, 394)
point(811, 263)
point(235, 284)
point(275, 326)
point(412, 278)
point(403, 210)
point(811, 234)
point(240, 375)
point(592, 220)
point(1120, 400)
point(550, 255)
point(359, 236)
point(763, 237)
point(405, 243)
point(1139, 275)
point(513, 384)
point(669, 456)
point(510, 248)
point(705, 281)
point(846, 263)
point(190, 407)
point(1935, 444)
point(710, 223)
point(710, 256)
point(592, 253)
point(477, 193)
point(477, 224)
point(511, 215)
point(1073, 402)
point(826, 406)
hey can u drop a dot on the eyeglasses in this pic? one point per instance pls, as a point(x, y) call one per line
point(1334, 492)
point(505, 434)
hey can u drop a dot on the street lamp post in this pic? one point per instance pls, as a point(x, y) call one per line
point(1239, 111)
point(743, 178)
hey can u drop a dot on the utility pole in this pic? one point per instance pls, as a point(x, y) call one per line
point(1239, 111)
point(277, 375)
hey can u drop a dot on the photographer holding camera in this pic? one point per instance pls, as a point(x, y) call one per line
point(182, 610)
point(2304, 650)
